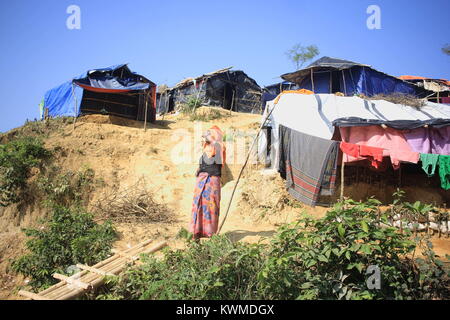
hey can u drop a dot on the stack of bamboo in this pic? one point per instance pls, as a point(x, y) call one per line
point(90, 278)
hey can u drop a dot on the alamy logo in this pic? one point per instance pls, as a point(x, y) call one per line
point(374, 280)
point(374, 20)
point(74, 20)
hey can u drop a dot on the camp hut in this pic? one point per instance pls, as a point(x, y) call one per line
point(330, 75)
point(114, 91)
point(230, 89)
point(383, 143)
point(440, 87)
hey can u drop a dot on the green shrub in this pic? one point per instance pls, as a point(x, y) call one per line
point(211, 114)
point(66, 188)
point(191, 104)
point(70, 236)
point(328, 258)
point(17, 157)
point(309, 259)
point(216, 269)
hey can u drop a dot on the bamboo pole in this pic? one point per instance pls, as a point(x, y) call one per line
point(146, 110)
point(312, 81)
point(100, 264)
point(98, 282)
point(32, 295)
point(342, 178)
point(343, 80)
point(243, 167)
point(232, 102)
point(68, 280)
point(331, 82)
point(92, 277)
point(94, 270)
point(75, 115)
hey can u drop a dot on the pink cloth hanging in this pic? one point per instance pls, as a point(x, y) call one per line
point(395, 145)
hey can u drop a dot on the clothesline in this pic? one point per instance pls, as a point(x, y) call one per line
point(357, 152)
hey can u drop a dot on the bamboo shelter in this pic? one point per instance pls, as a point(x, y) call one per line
point(92, 277)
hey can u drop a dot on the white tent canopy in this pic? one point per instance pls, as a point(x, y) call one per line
point(314, 115)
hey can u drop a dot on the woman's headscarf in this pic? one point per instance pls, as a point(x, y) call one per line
point(214, 135)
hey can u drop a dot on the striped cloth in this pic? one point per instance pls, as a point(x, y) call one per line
point(308, 164)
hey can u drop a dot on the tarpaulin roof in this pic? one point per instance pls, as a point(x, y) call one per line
point(118, 78)
point(353, 78)
point(187, 81)
point(65, 99)
point(318, 114)
point(407, 77)
point(322, 63)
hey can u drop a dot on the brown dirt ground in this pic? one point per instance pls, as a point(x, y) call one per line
point(121, 152)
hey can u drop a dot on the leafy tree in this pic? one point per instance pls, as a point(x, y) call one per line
point(299, 54)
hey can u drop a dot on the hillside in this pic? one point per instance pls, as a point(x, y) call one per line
point(124, 156)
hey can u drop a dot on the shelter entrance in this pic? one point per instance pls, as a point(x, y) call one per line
point(228, 96)
point(336, 81)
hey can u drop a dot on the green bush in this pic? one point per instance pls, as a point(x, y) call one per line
point(216, 269)
point(211, 114)
point(66, 188)
point(310, 259)
point(70, 236)
point(328, 258)
point(17, 157)
point(192, 102)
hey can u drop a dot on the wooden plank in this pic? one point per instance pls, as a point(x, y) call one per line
point(94, 270)
point(71, 281)
point(32, 295)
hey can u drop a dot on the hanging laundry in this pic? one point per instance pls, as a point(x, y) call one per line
point(440, 140)
point(429, 140)
point(429, 161)
point(375, 155)
point(391, 140)
point(309, 164)
point(350, 149)
point(444, 171)
point(354, 152)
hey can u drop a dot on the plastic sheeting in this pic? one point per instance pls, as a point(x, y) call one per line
point(331, 75)
point(317, 115)
point(230, 89)
point(65, 99)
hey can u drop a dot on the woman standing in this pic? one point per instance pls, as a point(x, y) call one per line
point(206, 204)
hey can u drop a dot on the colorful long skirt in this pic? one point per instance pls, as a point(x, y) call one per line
point(206, 206)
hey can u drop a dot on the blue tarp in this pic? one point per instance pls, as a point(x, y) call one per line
point(350, 78)
point(65, 100)
point(358, 80)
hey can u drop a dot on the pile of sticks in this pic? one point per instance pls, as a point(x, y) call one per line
point(90, 278)
point(135, 204)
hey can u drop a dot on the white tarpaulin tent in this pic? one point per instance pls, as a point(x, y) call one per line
point(314, 115)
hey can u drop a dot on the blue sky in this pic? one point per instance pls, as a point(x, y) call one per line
point(169, 40)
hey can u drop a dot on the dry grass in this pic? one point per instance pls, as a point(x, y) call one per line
point(407, 100)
